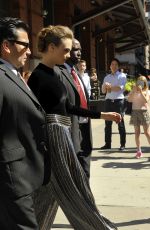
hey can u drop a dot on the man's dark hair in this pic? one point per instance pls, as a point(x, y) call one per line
point(115, 59)
point(82, 61)
point(8, 27)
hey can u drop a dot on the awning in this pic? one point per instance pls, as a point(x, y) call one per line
point(126, 22)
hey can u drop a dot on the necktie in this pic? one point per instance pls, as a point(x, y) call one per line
point(83, 101)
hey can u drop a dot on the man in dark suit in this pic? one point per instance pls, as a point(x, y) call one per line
point(81, 127)
point(74, 98)
point(22, 136)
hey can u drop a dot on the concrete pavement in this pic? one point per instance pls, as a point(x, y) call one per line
point(120, 182)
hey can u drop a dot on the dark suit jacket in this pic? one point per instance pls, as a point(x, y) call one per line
point(74, 98)
point(22, 137)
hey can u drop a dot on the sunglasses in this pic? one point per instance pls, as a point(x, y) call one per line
point(25, 44)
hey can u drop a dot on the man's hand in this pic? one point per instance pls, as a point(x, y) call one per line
point(111, 116)
point(108, 87)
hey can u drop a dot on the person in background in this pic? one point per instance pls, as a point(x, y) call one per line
point(83, 124)
point(85, 77)
point(93, 74)
point(139, 96)
point(69, 184)
point(95, 84)
point(113, 86)
point(123, 71)
point(22, 132)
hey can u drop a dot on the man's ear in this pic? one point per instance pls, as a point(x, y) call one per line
point(6, 46)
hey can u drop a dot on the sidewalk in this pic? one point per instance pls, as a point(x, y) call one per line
point(120, 182)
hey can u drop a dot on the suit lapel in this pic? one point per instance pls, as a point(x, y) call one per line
point(69, 77)
point(19, 82)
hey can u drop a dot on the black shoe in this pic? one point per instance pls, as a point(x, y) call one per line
point(122, 148)
point(106, 147)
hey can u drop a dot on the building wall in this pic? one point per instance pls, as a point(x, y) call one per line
point(63, 11)
point(95, 50)
point(128, 62)
point(31, 12)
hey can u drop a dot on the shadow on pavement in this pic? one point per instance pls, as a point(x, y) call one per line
point(127, 133)
point(127, 150)
point(95, 158)
point(64, 226)
point(136, 165)
point(134, 222)
point(116, 150)
point(129, 223)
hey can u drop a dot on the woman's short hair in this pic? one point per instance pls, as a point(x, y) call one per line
point(53, 34)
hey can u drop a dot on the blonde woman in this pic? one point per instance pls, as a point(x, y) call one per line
point(139, 96)
point(68, 185)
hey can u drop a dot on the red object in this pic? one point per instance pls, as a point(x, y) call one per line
point(83, 101)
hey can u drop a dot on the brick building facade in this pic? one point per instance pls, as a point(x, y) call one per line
point(103, 27)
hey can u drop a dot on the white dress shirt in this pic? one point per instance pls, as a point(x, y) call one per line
point(86, 81)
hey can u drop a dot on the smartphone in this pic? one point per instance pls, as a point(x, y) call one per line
point(140, 83)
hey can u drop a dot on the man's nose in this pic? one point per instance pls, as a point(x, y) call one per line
point(68, 55)
point(79, 52)
point(28, 51)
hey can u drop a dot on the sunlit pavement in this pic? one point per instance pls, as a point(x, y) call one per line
point(120, 182)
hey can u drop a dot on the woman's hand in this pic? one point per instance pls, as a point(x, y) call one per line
point(139, 88)
point(111, 116)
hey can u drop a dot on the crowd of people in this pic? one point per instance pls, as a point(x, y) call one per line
point(46, 137)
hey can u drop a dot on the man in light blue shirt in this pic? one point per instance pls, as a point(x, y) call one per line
point(113, 86)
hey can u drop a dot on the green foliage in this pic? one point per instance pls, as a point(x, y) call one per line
point(129, 84)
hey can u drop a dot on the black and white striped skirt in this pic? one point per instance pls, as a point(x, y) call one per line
point(69, 187)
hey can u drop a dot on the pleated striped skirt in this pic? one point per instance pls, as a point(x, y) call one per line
point(69, 187)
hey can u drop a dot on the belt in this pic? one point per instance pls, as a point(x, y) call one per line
point(114, 100)
point(56, 118)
